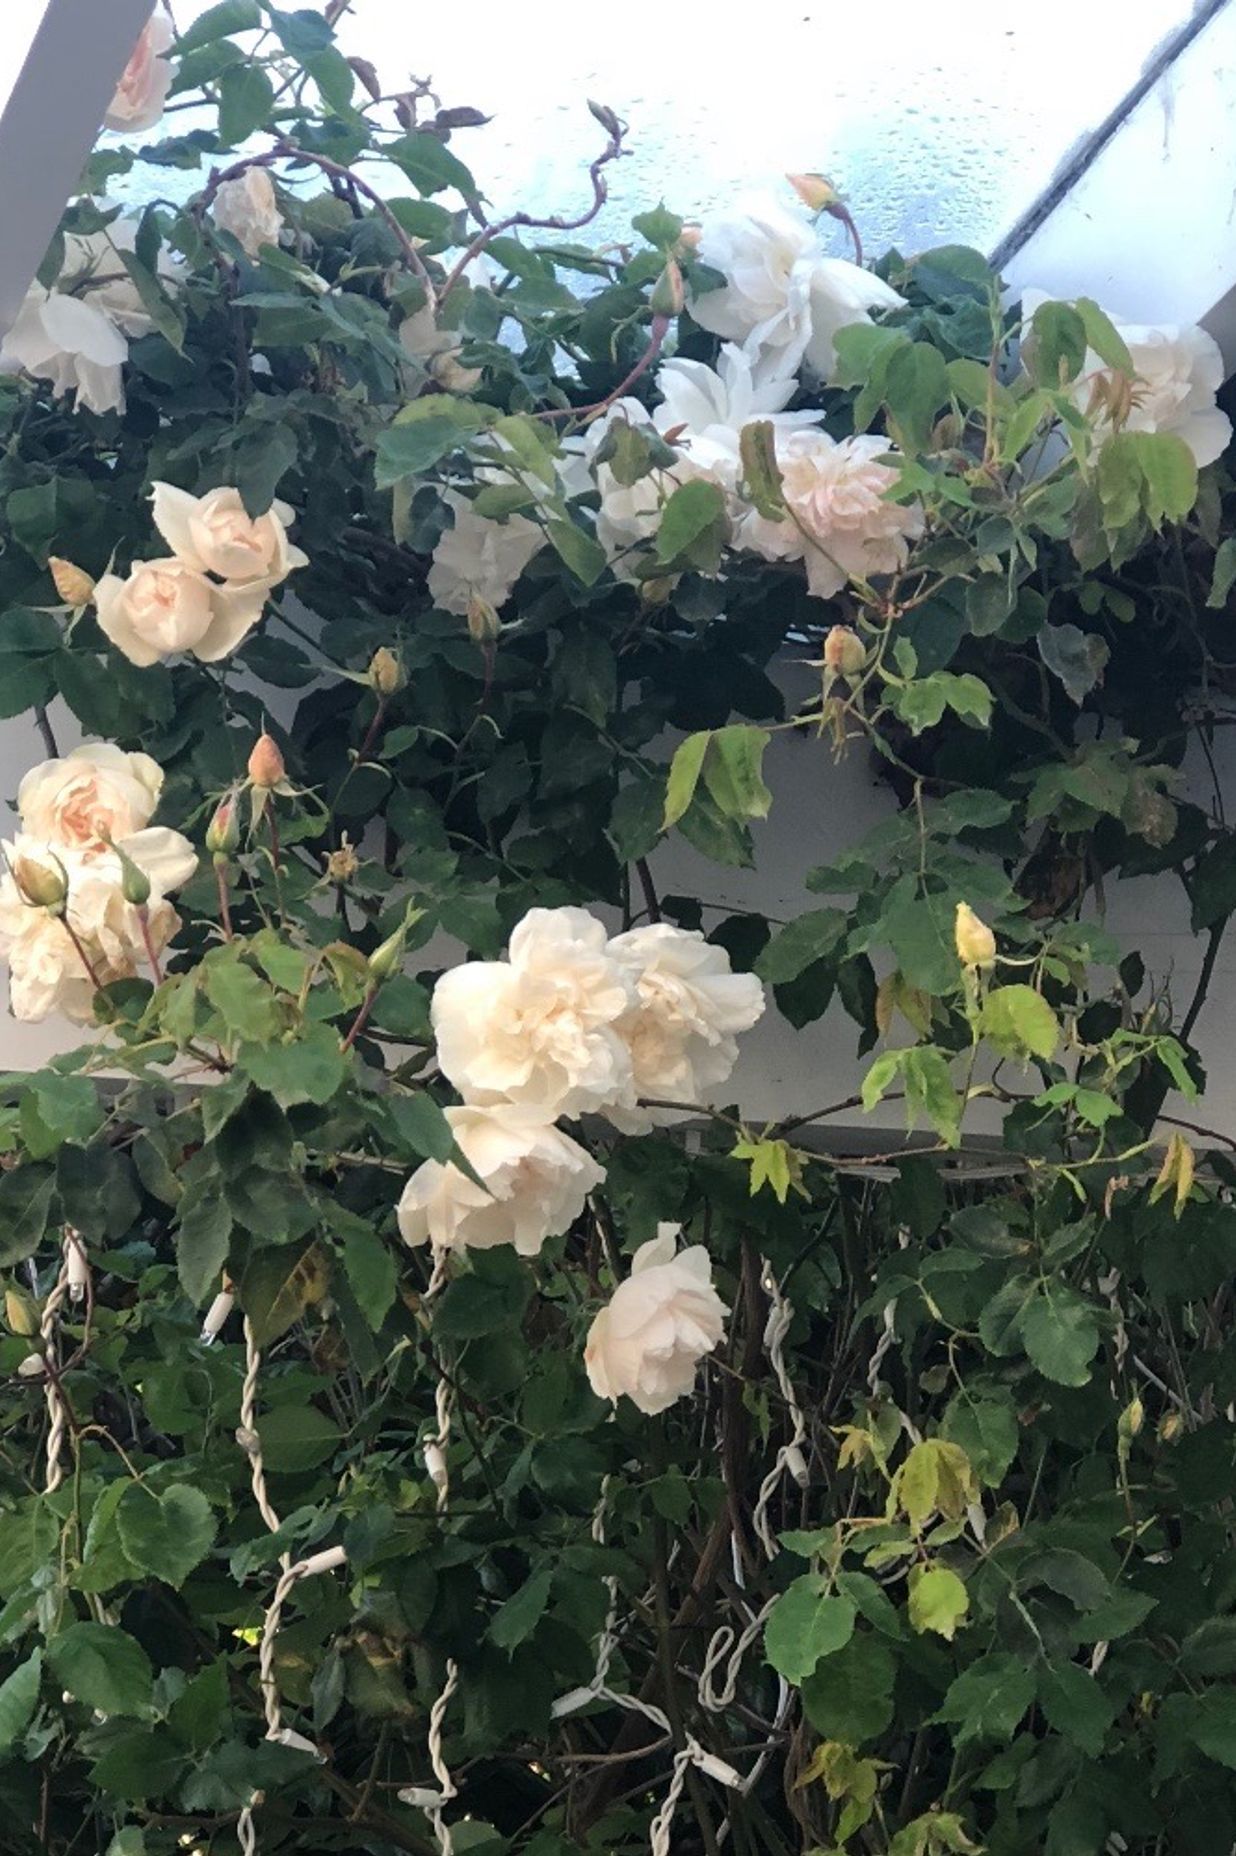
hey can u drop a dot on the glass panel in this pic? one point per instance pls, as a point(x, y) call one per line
point(941, 122)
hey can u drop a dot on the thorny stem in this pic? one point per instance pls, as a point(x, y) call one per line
point(44, 727)
point(660, 329)
point(225, 912)
point(82, 955)
point(143, 916)
point(651, 902)
point(361, 1019)
point(371, 733)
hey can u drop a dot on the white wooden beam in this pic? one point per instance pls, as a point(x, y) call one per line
point(59, 64)
point(1140, 216)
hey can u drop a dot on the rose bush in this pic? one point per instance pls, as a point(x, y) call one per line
point(438, 1417)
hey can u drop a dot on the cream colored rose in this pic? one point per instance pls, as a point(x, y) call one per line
point(165, 607)
point(248, 209)
point(213, 534)
point(95, 793)
point(846, 527)
point(657, 1326)
point(480, 558)
point(145, 80)
point(1178, 369)
point(536, 1180)
point(680, 1031)
point(47, 972)
point(782, 294)
point(539, 1028)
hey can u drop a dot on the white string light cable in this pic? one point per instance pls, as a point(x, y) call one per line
point(328, 1560)
point(433, 1799)
point(217, 1313)
point(691, 1753)
point(789, 1458)
point(71, 1285)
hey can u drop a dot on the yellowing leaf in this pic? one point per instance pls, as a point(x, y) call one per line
point(938, 1600)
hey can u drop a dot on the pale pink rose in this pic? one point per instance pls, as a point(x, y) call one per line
point(95, 793)
point(214, 534)
point(480, 557)
point(539, 1028)
point(536, 1181)
point(248, 209)
point(165, 607)
point(680, 1031)
point(846, 526)
point(145, 80)
point(657, 1326)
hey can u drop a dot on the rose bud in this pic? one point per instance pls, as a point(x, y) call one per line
point(975, 942)
point(266, 766)
point(41, 885)
point(223, 831)
point(844, 652)
point(668, 295)
point(483, 622)
point(73, 584)
point(814, 191)
point(385, 672)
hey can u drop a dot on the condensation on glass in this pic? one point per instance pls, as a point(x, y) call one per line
point(939, 123)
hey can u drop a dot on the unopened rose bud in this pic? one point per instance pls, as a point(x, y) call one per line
point(815, 192)
point(385, 672)
point(656, 592)
point(976, 944)
point(1171, 1426)
point(483, 622)
point(19, 1312)
point(386, 960)
point(689, 239)
point(844, 652)
point(134, 883)
point(223, 831)
point(342, 865)
point(73, 584)
point(1131, 1419)
point(668, 295)
point(44, 886)
point(266, 767)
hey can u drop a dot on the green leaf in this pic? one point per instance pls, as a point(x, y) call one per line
point(916, 385)
point(582, 554)
point(684, 776)
point(218, 22)
point(984, 1424)
point(694, 526)
point(1019, 1022)
point(732, 771)
point(518, 1617)
point(245, 99)
point(296, 1438)
point(849, 1695)
point(103, 1667)
point(430, 165)
point(1223, 576)
point(424, 433)
point(202, 1240)
point(489, 1300)
point(242, 998)
point(1103, 336)
point(806, 1623)
point(303, 33)
point(278, 1286)
point(168, 1534)
point(813, 936)
point(988, 1699)
point(1076, 1706)
point(311, 1068)
point(421, 1128)
point(25, 1202)
point(1060, 1334)
point(1058, 347)
point(19, 1692)
point(938, 1601)
point(370, 1269)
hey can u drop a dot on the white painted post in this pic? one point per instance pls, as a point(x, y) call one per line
point(59, 64)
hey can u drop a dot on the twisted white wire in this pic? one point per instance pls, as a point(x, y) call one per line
point(789, 1457)
point(433, 1799)
point(71, 1285)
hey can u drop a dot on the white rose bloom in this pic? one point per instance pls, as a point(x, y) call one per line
point(689, 1004)
point(95, 793)
point(782, 292)
point(705, 409)
point(1178, 370)
point(165, 607)
point(75, 335)
point(536, 1183)
point(539, 1028)
point(658, 1325)
point(213, 534)
point(437, 350)
point(838, 490)
point(480, 557)
point(145, 80)
point(248, 209)
point(46, 970)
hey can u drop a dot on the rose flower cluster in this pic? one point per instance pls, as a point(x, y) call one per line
point(575, 1023)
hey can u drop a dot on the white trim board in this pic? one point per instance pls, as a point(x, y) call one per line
point(59, 63)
